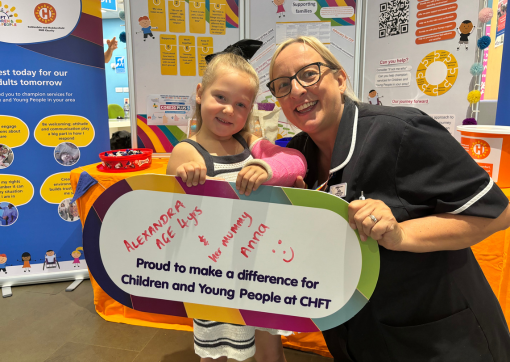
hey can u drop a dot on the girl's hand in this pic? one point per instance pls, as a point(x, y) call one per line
point(385, 228)
point(250, 178)
point(192, 173)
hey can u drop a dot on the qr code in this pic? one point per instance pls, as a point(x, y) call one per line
point(393, 18)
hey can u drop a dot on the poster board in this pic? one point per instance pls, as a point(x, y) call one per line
point(415, 56)
point(167, 50)
point(280, 258)
point(53, 118)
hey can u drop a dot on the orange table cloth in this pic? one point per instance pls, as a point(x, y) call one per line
point(492, 254)
point(113, 311)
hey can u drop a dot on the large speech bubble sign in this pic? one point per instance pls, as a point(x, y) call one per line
point(15, 189)
point(53, 130)
point(56, 188)
point(280, 258)
point(36, 21)
point(13, 131)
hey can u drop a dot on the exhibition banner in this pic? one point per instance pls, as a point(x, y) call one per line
point(419, 54)
point(281, 258)
point(53, 118)
point(169, 42)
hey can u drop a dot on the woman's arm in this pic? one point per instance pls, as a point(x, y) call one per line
point(426, 234)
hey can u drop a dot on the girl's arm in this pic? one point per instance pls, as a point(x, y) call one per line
point(283, 165)
point(186, 163)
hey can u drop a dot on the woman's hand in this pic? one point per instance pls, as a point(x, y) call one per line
point(250, 178)
point(372, 218)
point(192, 173)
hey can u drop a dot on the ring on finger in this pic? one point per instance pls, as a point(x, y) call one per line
point(373, 218)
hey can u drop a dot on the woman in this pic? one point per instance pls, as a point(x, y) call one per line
point(427, 203)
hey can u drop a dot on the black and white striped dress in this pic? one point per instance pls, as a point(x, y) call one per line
point(226, 167)
point(216, 339)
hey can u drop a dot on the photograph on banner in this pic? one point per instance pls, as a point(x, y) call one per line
point(169, 110)
point(272, 22)
point(419, 54)
point(170, 42)
point(9, 213)
point(6, 156)
point(182, 250)
point(500, 22)
point(53, 100)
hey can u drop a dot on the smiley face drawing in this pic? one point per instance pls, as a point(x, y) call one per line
point(284, 252)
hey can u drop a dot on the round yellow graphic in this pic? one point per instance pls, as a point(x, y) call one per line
point(452, 70)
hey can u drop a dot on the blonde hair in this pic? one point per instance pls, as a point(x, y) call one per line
point(324, 52)
point(226, 61)
point(78, 250)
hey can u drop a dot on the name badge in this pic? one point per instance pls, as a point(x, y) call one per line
point(339, 190)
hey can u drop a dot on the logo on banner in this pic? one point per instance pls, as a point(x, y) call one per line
point(8, 17)
point(45, 13)
point(479, 149)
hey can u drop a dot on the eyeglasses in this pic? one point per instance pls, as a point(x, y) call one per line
point(306, 76)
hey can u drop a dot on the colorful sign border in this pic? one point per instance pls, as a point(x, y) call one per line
point(286, 196)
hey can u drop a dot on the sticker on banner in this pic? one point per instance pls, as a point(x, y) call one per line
point(33, 21)
point(304, 7)
point(13, 131)
point(169, 110)
point(337, 12)
point(56, 188)
point(446, 120)
point(390, 80)
point(53, 130)
point(16, 189)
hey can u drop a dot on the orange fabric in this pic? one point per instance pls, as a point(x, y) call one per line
point(492, 254)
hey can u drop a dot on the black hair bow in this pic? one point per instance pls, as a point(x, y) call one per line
point(245, 48)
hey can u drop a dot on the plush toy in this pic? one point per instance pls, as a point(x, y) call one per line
point(485, 15)
point(476, 69)
point(469, 121)
point(474, 96)
point(484, 42)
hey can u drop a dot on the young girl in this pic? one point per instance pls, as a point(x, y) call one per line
point(221, 149)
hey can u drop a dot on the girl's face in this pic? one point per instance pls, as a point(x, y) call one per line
point(75, 254)
point(25, 258)
point(226, 103)
point(315, 108)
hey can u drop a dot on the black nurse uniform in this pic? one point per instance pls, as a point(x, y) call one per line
point(427, 307)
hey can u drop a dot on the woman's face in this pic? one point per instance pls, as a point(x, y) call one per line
point(318, 107)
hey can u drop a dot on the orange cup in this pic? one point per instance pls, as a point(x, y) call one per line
point(490, 148)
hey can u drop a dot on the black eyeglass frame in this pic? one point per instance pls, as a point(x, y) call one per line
point(318, 64)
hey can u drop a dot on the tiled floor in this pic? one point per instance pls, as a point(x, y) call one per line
point(45, 323)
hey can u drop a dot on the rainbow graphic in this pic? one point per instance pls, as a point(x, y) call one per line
point(218, 189)
point(161, 139)
point(333, 3)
